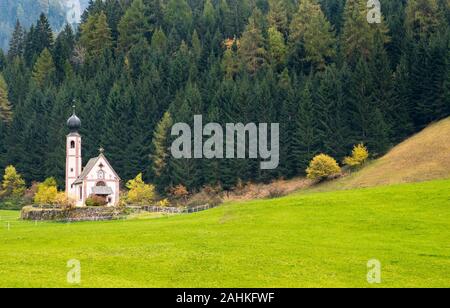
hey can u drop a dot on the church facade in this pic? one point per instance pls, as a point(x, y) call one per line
point(97, 178)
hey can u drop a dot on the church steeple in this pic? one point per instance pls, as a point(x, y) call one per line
point(73, 157)
point(74, 123)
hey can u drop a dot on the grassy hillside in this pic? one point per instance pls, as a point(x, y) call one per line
point(423, 157)
point(304, 240)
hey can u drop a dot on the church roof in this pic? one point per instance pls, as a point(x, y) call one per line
point(91, 164)
point(102, 191)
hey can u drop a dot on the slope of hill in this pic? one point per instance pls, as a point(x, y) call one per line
point(302, 240)
point(423, 157)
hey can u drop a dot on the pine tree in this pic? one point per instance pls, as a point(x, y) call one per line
point(96, 35)
point(401, 103)
point(278, 16)
point(209, 19)
point(16, 44)
point(159, 41)
point(226, 19)
point(44, 69)
point(5, 105)
point(422, 18)
point(161, 138)
point(133, 26)
point(43, 35)
point(178, 15)
point(307, 137)
point(428, 79)
point(357, 37)
point(311, 32)
point(332, 109)
point(196, 46)
point(277, 47)
point(252, 51)
point(119, 134)
point(368, 121)
point(154, 14)
point(62, 51)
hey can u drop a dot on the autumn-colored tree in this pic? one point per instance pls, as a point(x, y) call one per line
point(161, 144)
point(13, 186)
point(140, 193)
point(179, 192)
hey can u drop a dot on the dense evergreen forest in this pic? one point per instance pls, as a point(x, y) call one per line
point(318, 68)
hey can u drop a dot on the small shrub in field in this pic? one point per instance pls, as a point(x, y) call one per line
point(276, 192)
point(96, 201)
point(163, 203)
point(321, 167)
point(360, 154)
point(139, 192)
point(179, 192)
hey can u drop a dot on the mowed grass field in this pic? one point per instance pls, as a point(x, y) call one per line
point(303, 240)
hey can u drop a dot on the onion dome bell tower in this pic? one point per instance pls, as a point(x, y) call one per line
point(73, 155)
point(74, 123)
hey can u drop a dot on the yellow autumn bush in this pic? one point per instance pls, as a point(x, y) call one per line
point(163, 203)
point(360, 154)
point(321, 167)
point(47, 194)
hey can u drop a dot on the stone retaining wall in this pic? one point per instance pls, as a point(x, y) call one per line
point(77, 214)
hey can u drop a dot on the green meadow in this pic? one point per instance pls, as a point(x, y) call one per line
point(303, 240)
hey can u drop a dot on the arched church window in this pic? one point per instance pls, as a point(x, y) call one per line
point(101, 184)
point(72, 144)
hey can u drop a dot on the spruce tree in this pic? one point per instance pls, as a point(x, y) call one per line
point(43, 34)
point(44, 69)
point(160, 156)
point(133, 26)
point(178, 15)
point(332, 112)
point(306, 136)
point(16, 44)
point(312, 33)
point(357, 38)
point(252, 50)
point(5, 106)
point(278, 16)
point(96, 35)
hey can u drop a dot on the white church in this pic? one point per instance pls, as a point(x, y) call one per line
point(98, 178)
